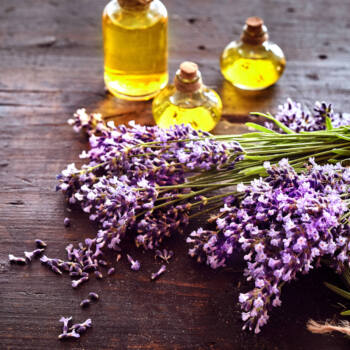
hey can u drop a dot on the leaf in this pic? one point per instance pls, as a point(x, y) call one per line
point(345, 313)
point(278, 123)
point(343, 293)
point(329, 125)
point(260, 128)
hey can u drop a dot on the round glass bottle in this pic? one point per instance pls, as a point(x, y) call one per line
point(187, 101)
point(135, 37)
point(253, 62)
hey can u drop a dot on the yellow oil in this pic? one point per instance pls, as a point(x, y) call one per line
point(252, 67)
point(135, 51)
point(252, 74)
point(198, 118)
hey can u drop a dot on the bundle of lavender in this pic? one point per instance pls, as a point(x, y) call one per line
point(280, 208)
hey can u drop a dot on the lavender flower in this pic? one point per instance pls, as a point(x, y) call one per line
point(135, 264)
point(298, 119)
point(85, 303)
point(77, 283)
point(72, 334)
point(82, 327)
point(40, 244)
point(164, 255)
point(111, 271)
point(66, 222)
point(35, 253)
point(98, 275)
point(283, 224)
point(17, 260)
point(65, 321)
point(93, 296)
point(158, 273)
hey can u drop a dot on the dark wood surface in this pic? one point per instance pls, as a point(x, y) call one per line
point(51, 64)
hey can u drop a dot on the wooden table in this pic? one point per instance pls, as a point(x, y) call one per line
point(51, 64)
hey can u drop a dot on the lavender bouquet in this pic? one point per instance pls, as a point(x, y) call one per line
point(284, 207)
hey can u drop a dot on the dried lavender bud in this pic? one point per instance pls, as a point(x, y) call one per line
point(89, 267)
point(94, 296)
point(119, 256)
point(16, 260)
point(164, 255)
point(56, 270)
point(135, 264)
point(103, 262)
point(85, 303)
point(40, 244)
point(66, 222)
point(78, 282)
point(98, 275)
point(74, 274)
point(69, 249)
point(82, 327)
point(65, 321)
point(72, 334)
point(64, 266)
point(111, 271)
point(35, 253)
point(158, 273)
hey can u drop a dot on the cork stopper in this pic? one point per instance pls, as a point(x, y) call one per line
point(134, 4)
point(188, 77)
point(254, 31)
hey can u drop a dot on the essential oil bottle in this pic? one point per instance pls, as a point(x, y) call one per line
point(187, 101)
point(135, 36)
point(253, 62)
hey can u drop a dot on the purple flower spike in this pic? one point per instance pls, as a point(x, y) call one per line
point(135, 264)
point(158, 273)
point(164, 255)
point(40, 244)
point(77, 283)
point(66, 222)
point(16, 260)
point(94, 296)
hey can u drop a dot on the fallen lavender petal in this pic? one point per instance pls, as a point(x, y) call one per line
point(85, 303)
point(72, 334)
point(98, 275)
point(77, 283)
point(102, 262)
point(135, 264)
point(65, 321)
point(158, 273)
point(35, 253)
point(40, 244)
point(94, 296)
point(164, 255)
point(17, 260)
point(66, 222)
point(82, 327)
point(111, 271)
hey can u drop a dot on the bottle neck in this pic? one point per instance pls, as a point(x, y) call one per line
point(135, 5)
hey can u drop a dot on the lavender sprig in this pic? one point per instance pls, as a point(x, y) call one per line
point(158, 273)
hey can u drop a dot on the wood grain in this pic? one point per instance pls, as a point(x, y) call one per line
point(50, 65)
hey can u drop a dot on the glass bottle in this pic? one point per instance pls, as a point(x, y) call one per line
point(135, 37)
point(253, 62)
point(187, 101)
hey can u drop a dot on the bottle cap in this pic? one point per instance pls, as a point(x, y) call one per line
point(134, 4)
point(188, 77)
point(254, 31)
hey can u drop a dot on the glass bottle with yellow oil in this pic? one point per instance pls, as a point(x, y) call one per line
point(135, 36)
point(253, 62)
point(187, 101)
